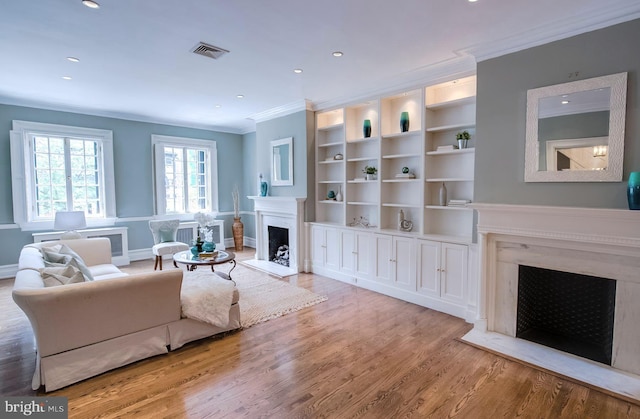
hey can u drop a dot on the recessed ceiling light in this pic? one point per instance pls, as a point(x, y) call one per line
point(337, 54)
point(73, 59)
point(240, 96)
point(218, 106)
point(90, 3)
point(564, 102)
point(297, 70)
point(472, 1)
point(66, 77)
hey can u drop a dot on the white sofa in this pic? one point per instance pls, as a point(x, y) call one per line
point(84, 329)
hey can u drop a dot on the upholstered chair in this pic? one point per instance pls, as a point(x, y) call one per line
point(164, 237)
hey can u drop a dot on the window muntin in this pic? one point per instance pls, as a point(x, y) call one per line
point(57, 167)
point(185, 175)
point(186, 180)
point(67, 176)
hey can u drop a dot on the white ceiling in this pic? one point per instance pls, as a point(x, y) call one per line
point(135, 59)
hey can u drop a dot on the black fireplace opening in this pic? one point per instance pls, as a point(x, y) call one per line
point(278, 245)
point(566, 311)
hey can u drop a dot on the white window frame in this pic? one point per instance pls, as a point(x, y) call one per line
point(22, 179)
point(158, 142)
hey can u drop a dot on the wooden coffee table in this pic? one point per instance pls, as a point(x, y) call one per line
point(192, 262)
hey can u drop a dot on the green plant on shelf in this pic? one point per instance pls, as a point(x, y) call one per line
point(463, 135)
point(369, 170)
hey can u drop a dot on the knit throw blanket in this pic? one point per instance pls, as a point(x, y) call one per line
point(206, 297)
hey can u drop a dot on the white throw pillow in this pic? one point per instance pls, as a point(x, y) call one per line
point(62, 254)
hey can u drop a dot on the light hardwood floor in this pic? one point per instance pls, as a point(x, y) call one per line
point(359, 354)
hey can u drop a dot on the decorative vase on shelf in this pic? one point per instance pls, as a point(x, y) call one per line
point(633, 191)
point(331, 195)
point(238, 233)
point(264, 188)
point(339, 194)
point(443, 195)
point(404, 122)
point(366, 128)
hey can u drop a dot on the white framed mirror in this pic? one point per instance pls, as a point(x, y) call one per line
point(282, 162)
point(575, 131)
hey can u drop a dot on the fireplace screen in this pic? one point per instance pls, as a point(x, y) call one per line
point(566, 311)
point(278, 245)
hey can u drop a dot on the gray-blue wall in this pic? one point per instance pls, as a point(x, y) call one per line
point(133, 175)
point(300, 126)
point(501, 116)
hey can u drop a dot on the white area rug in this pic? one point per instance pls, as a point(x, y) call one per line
point(263, 298)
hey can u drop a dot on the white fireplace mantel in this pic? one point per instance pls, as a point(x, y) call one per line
point(281, 211)
point(590, 241)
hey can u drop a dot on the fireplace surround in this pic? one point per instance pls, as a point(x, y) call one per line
point(603, 243)
point(284, 213)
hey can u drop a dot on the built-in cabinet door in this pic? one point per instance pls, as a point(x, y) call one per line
point(318, 245)
point(356, 253)
point(363, 246)
point(395, 261)
point(333, 249)
point(453, 272)
point(429, 267)
point(384, 258)
point(348, 248)
point(325, 251)
point(403, 263)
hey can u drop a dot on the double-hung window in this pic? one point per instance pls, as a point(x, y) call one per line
point(61, 168)
point(185, 172)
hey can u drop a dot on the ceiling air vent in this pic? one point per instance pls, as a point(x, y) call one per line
point(208, 50)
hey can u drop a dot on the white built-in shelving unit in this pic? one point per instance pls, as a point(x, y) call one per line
point(427, 265)
point(436, 114)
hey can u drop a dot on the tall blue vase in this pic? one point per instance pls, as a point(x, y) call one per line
point(366, 128)
point(263, 188)
point(404, 122)
point(633, 191)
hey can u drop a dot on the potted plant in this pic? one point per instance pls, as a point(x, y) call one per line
point(463, 138)
point(370, 172)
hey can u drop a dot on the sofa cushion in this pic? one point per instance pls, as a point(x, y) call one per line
point(63, 254)
point(106, 271)
point(61, 275)
point(167, 235)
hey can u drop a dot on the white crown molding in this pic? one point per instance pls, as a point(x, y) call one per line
point(580, 23)
point(6, 100)
point(461, 65)
point(288, 109)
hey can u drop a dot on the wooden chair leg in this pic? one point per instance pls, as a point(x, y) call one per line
point(160, 259)
point(155, 266)
point(175, 264)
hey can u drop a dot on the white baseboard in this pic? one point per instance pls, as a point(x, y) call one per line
point(8, 271)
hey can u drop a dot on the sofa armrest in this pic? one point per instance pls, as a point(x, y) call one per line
point(75, 315)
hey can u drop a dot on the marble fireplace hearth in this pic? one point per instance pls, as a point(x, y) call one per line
point(602, 243)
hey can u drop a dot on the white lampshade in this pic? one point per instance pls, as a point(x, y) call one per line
point(70, 221)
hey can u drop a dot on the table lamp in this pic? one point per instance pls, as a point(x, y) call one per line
point(69, 221)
